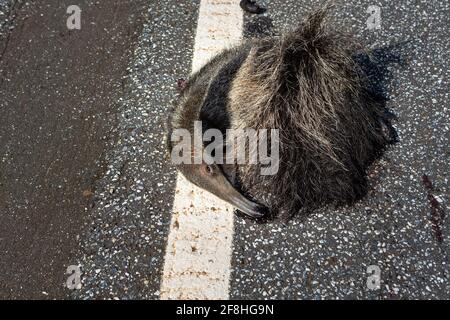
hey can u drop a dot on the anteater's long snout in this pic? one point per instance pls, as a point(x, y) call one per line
point(214, 181)
point(229, 193)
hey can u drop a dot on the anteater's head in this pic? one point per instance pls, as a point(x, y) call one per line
point(186, 148)
point(211, 178)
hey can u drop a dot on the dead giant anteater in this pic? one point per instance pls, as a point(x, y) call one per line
point(307, 84)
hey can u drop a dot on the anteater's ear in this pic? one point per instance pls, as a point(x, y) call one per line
point(181, 84)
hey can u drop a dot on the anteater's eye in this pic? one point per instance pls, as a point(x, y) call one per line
point(208, 170)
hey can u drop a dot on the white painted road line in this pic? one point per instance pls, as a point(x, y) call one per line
point(198, 253)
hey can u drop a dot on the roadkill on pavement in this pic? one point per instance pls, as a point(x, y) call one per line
point(307, 84)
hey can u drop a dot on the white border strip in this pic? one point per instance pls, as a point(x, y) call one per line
point(199, 248)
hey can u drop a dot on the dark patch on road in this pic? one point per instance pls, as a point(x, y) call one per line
point(253, 7)
point(437, 217)
point(59, 90)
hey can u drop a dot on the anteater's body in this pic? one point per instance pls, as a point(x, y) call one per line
point(307, 84)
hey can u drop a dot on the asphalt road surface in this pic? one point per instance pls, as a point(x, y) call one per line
point(84, 178)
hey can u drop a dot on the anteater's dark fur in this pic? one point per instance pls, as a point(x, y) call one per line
point(307, 84)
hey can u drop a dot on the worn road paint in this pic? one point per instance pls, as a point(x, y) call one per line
point(198, 254)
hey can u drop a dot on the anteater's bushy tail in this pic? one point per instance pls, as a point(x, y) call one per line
point(307, 84)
